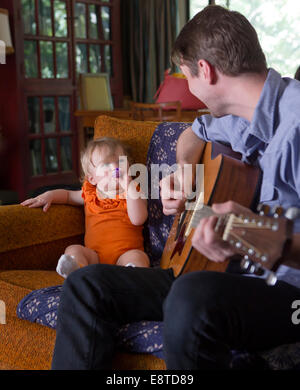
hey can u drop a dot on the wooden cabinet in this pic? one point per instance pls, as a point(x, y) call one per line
point(54, 41)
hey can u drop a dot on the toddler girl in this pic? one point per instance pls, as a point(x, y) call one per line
point(114, 215)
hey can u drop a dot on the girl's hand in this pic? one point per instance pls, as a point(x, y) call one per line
point(124, 181)
point(44, 200)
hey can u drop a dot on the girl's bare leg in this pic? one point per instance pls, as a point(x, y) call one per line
point(134, 257)
point(75, 256)
point(83, 255)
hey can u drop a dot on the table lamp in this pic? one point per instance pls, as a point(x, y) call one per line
point(6, 46)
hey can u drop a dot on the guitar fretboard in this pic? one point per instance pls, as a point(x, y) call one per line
point(201, 211)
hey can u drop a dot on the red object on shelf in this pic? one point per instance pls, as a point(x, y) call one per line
point(176, 88)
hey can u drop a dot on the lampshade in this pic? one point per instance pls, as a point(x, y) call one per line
point(5, 31)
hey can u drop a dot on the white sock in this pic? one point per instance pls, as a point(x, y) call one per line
point(66, 264)
point(130, 265)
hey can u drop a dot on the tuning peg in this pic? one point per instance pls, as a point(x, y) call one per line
point(248, 266)
point(271, 279)
point(264, 258)
point(277, 211)
point(256, 269)
point(292, 213)
point(259, 271)
point(245, 263)
point(251, 267)
point(251, 251)
point(263, 209)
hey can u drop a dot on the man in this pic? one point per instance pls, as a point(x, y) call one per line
point(205, 314)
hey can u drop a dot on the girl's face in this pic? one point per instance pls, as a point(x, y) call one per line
point(107, 168)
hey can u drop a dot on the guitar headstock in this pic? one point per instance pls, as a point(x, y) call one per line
point(260, 238)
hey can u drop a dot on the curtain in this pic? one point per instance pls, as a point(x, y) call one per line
point(149, 29)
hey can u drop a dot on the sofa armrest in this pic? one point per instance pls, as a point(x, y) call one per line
point(32, 239)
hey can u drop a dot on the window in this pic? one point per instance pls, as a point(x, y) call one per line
point(93, 38)
point(48, 31)
point(277, 25)
point(50, 135)
point(46, 39)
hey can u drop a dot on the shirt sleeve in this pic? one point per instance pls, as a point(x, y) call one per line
point(88, 191)
point(290, 170)
point(284, 164)
point(226, 130)
point(293, 157)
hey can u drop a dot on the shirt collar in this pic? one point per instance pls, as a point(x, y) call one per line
point(262, 124)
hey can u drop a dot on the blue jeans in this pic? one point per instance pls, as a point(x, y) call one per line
point(205, 314)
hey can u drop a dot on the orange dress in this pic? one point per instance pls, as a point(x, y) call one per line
point(108, 229)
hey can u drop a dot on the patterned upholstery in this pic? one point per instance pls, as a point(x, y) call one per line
point(34, 239)
point(129, 132)
point(146, 337)
point(162, 150)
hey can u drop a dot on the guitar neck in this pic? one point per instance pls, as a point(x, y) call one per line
point(200, 211)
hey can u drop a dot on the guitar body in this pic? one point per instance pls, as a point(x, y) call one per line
point(225, 178)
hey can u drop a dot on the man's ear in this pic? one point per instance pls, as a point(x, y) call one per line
point(208, 71)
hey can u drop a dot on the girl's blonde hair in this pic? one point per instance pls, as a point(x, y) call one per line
point(109, 145)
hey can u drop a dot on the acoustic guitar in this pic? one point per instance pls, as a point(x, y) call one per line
point(227, 178)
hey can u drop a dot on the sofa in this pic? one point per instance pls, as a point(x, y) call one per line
point(32, 241)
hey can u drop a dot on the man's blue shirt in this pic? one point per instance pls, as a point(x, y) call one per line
point(271, 141)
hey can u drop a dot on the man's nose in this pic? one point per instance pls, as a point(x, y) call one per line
point(100, 170)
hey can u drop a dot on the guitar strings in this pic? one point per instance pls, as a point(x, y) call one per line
point(247, 244)
point(234, 221)
point(251, 226)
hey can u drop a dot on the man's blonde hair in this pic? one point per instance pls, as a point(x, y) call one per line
point(107, 145)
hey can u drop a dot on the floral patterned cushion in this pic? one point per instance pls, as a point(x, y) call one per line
point(161, 153)
point(146, 337)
